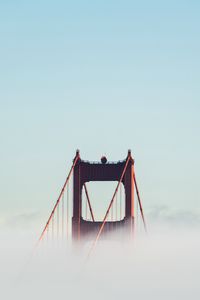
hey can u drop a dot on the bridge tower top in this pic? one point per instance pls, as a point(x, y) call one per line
point(87, 171)
point(122, 172)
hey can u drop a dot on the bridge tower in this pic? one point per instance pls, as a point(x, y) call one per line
point(84, 171)
point(122, 172)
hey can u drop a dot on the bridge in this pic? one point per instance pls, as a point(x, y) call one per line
point(72, 221)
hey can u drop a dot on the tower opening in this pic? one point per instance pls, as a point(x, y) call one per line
point(100, 195)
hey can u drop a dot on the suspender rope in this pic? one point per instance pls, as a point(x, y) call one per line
point(63, 209)
point(67, 224)
point(57, 202)
point(112, 213)
point(47, 235)
point(52, 227)
point(110, 205)
point(58, 222)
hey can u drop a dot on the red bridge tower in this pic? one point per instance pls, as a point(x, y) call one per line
point(122, 172)
point(85, 171)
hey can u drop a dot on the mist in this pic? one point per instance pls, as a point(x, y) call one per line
point(161, 265)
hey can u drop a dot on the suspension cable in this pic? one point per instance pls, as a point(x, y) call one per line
point(63, 209)
point(67, 213)
point(57, 202)
point(110, 205)
point(88, 201)
point(58, 221)
point(112, 213)
point(52, 227)
point(140, 203)
point(47, 235)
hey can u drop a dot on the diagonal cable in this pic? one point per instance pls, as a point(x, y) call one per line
point(110, 205)
point(89, 203)
point(140, 202)
point(59, 198)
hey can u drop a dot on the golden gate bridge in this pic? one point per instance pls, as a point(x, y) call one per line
point(80, 223)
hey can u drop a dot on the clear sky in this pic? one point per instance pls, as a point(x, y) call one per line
point(101, 76)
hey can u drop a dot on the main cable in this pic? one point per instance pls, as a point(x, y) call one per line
point(110, 205)
point(140, 202)
point(57, 202)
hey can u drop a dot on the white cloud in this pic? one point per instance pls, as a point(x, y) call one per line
point(166, 215)
point(157, 267)
point(20, 221)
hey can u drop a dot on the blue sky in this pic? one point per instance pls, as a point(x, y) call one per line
point(101, 76)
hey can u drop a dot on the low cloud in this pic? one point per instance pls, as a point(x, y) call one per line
point(20, 221)
point(170, 217)
point(154, 267)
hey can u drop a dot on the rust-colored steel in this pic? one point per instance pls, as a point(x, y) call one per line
point(89, 203)
point(112, 213)
point(120, 201)
point(67, 214)
point(63, 208)
point(140, 203)
point(110, 205)
point(58, 222)
point(59, 198)
point(86, 171)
